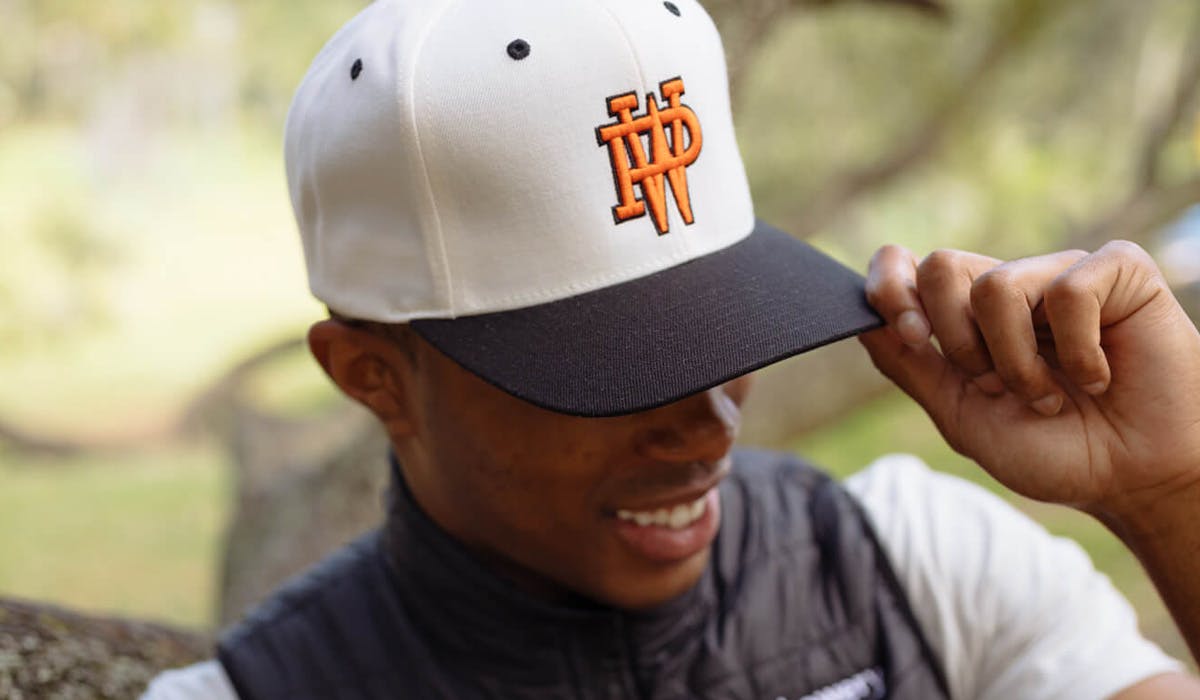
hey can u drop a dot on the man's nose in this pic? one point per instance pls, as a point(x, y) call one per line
point(701, 427)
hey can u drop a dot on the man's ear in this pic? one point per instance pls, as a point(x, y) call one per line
point(367, 368)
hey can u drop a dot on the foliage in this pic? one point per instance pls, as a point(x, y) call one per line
point(1015, 123)
point(62, 58)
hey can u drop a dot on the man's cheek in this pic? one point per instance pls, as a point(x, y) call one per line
point(739, 389)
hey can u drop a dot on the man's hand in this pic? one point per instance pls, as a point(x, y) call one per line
point(1070, 377)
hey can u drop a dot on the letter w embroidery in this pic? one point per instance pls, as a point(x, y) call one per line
point(668, 158)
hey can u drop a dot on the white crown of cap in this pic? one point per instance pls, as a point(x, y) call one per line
point(434, 173)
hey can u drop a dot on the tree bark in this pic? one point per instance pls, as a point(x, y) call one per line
point(302, 488)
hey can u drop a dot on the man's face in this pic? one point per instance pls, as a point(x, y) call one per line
point(565, 504)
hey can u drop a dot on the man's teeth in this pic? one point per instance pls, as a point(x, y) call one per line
point(675, 518)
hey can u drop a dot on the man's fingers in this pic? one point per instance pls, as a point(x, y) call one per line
point(1003, 300)
point(1023, 326)
point(920, 372)
point(1073, 312)
point(891, 289)
point(1097, 291)
point(1124, 277)
point(944, 280)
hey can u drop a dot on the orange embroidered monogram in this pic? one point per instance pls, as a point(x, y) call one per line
point(668, 158)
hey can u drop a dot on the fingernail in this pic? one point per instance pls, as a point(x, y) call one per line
point(1048, 405)
point(913, 328)
point(990, 383)
point(1095, 388)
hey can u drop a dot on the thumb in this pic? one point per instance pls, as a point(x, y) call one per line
point(921, 372)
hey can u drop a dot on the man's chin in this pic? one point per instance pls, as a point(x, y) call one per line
point(649, 590)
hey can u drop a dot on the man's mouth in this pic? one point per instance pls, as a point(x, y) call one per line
point(676, 518)
point(670, 533)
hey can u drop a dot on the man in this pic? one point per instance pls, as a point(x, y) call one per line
point(531, 225)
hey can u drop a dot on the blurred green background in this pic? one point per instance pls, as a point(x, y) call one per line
point(148, 245)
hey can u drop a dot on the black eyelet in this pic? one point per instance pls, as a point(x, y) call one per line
point(519, 49)
point(672, 8)
point(356, 69)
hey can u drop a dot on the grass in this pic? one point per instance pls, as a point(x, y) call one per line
point(135, 534)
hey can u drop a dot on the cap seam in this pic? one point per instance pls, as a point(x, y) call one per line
point(447, 275)
point(628, 44)
point(643, 85)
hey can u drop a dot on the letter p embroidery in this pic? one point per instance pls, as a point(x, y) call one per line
point(667, 159)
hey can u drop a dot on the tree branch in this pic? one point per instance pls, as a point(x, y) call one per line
point(217, 399)
point(1019, 26)
point(223, 392)
point(1166, 120)
point(1150, 203)
point(26, 443)
point(746, 25)
point(1145, 210)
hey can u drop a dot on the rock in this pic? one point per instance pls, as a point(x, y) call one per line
point(50, 652)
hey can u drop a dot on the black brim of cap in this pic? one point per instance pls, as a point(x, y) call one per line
point(657, 339)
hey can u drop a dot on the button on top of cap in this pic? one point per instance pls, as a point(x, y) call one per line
point(518, 49)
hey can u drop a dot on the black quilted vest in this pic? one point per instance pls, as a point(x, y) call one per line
point(797, 602)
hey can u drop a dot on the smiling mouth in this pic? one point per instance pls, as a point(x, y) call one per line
point(677, 508)
point(676, 518)
point(671, 532)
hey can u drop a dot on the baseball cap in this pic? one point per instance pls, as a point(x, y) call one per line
point(550, 193)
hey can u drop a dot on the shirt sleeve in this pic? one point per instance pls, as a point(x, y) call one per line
point(203, 681)
point(1012, 611)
